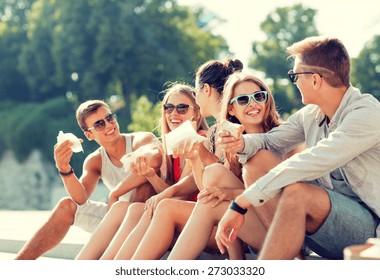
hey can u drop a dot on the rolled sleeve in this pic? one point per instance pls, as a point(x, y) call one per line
point(255, 196)
point(250, 148)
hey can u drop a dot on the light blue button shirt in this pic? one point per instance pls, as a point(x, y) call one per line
point(352, 145)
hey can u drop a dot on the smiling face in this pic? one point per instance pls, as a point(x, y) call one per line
point(110, 131)
point(174, 119)
point(252, 115)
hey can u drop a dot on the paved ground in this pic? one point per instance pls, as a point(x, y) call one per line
point(18, 226)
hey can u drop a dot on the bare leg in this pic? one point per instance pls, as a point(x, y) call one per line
point(301, 208)
point(104, 233)
point(170, 217)
point(256, 167)
point(199, 230)
point(236, 249)
point(217, 175)
point(51, 233)
point(133, 240)
point(132, 218)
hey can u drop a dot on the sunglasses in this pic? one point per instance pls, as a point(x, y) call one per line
point(181, 108)
point(293, 76)
point(101, 124)
point(243, 100)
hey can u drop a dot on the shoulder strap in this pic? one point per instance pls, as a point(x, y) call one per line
point(128, 139)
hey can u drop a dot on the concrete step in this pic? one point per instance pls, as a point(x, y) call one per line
point(16, 227)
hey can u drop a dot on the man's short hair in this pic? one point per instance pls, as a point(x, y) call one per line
point(324, 53)
point(86, 109)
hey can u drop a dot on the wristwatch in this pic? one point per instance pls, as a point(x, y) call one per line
point(236, 207)
point(67, 173)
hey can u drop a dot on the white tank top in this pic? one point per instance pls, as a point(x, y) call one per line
point(112, 175)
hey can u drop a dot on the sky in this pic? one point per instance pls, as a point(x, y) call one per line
point(353, 22)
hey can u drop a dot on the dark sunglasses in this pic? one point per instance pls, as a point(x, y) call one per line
point(101, 124)
point(293, 76)
point(181, 108)
point(243, 100)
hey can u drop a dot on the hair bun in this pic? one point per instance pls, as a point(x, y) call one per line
point(234, 65)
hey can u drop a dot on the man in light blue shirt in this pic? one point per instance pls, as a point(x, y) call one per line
point(328, 196)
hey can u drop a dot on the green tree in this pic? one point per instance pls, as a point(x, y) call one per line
point(282, 28)
point(90, 48)
point(35, 60)
point(111, 50)
point(13, 23)
point(366, 68)
point(145, 116)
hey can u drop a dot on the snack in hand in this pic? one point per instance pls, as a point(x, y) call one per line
point(234, 129)
point(127, 159)
point(76, 147)
point(185, 132)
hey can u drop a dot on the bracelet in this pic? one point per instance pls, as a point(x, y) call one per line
point(67, 173)
point(236, 207)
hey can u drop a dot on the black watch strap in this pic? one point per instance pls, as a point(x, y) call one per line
point(236, 207)
point(67, 173)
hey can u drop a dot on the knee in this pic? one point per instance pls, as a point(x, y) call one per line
point(212, 175)
point(66, 208)
point(165, 207)
point(135, 210)
point(118, 207)
point(294, 195)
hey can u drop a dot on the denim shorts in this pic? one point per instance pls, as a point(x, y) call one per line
point(349, 222)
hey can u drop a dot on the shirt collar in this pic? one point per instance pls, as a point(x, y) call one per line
point(351, 92)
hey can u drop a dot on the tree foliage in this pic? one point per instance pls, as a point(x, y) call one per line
point(282, 27)
point(145, 116)
point(13, 25)
point(56, 54)
point(85, 47)
point(92, 49)
point(366, 68)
